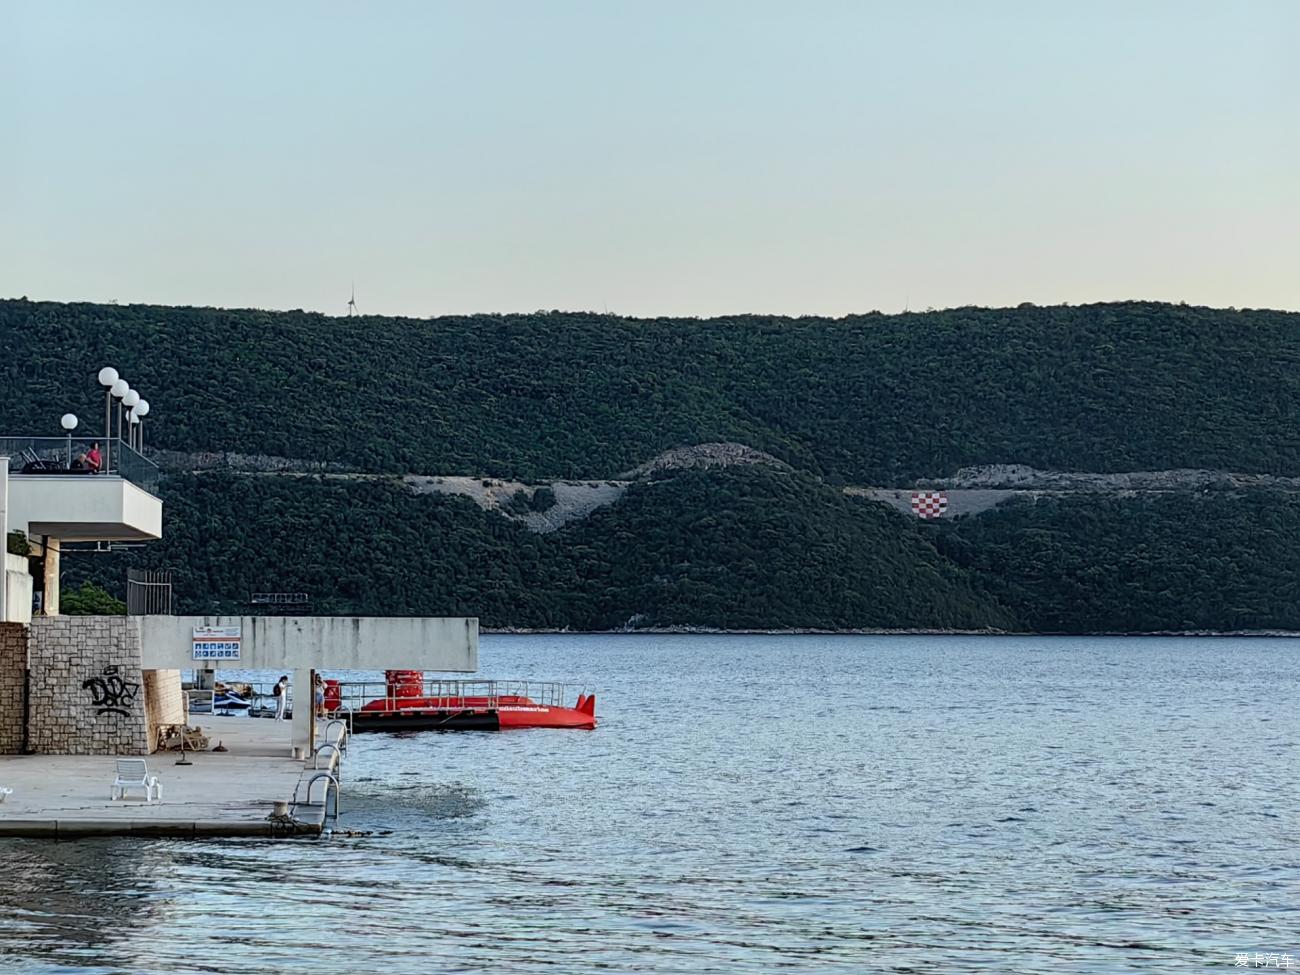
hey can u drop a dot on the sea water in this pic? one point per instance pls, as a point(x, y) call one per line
point(756, 804)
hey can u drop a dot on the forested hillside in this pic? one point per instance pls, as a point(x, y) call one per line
point(879, 399)
point(744, 548)
point(870, 399)
point(1185, 561)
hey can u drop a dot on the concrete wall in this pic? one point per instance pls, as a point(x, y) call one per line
point(13, 663)
point(86, 686)
point(18, 587)
point(285, 643)
point(51, 563)
point(85, 508)
point(141, 510)
point(164, 702)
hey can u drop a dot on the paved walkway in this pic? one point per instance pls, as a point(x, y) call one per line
point(222, 794)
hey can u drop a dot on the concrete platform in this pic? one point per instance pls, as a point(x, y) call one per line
point(228, 793)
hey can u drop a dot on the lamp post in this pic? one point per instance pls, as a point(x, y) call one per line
point(129, 400)
point(69, 422)
point(133, 430)
point(107, 377)
point(141, 411)
point(120, 389)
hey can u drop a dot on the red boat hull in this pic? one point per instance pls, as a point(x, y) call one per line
point(470, 714)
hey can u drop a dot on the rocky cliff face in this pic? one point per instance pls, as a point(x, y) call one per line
point(703, 455)
point(971, 490)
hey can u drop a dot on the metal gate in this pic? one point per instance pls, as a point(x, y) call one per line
point(148, 592)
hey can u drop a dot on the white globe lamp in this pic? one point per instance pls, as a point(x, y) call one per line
point(69, 423)
point(108, 378)
point(139, 413)
point(119, 390)
point(129, 401)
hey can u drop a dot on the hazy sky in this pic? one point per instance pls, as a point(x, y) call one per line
point(690, 158)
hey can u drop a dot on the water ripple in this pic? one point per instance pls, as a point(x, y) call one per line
point(753, 805)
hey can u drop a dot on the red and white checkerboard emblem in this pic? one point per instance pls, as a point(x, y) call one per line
point(929, 504)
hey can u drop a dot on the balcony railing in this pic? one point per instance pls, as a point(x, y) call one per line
point(65, 456)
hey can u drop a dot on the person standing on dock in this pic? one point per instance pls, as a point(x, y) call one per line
point(281, 692)
point(318, 694)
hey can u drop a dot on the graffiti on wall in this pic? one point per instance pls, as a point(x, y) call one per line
point(112, 695)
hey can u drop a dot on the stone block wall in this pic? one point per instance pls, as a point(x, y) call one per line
point(87, 688)
point(164, 702)
point(13, 664)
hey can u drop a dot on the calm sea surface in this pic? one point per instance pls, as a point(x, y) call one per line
point(756, 804)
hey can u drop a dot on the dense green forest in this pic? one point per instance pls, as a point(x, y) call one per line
point(873, 398)
point(1185, 561)
point(745, 548)
point(741, 548)
point(878, 399)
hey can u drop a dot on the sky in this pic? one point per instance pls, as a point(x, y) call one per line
point(650, 158)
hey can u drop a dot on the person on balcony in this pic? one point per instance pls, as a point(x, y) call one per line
point(93, 460)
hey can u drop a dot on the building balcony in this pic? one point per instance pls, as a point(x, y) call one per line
point(53, 493)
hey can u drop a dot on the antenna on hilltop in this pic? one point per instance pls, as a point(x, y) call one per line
point(352, 302)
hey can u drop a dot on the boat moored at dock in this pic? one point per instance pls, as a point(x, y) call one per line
point(410, 703)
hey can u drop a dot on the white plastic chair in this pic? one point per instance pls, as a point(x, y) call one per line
point(133, 773)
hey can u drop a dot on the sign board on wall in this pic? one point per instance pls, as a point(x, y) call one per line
point(216, 642)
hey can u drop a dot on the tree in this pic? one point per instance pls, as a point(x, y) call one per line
point(91, 600)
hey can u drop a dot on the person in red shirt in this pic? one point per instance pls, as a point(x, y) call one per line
point(93, 460)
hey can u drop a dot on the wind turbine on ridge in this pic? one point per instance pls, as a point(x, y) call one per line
point(352, 302)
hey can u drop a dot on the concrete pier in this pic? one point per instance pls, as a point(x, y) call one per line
point(229, 793)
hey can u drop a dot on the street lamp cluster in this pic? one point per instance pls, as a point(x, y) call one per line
point(117, 388)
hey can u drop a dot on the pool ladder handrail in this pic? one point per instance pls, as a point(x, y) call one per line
point(330, 779)
point(345, 732)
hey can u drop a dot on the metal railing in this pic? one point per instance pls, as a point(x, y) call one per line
point(330, 780)
point(148, 592)
point(434, 693)
point(135, 467)
point(340, 729)
point(66, 456)
point(441, 693)
point(261, 699)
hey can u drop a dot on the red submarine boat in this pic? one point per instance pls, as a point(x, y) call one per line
point(410, 703)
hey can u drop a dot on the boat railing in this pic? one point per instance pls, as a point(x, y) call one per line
point(447, 694)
